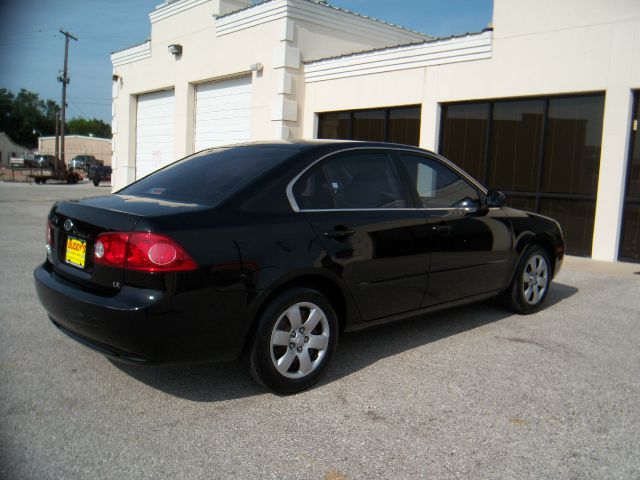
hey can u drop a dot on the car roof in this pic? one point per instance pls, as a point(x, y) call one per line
point(328, 145)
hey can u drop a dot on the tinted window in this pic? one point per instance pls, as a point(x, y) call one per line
point(630, 247)
point(351, 181)
point(465, 136)
point(312, 191)
point(572, 145)
point(208, 177)
point(369, 125)
point(397, 125)
point(516, 141)
point(404, 126)
point(438, 186)
point(335, 125)
point(630, 241)
point(576, 218)
point(528, 204)
point(543, 152)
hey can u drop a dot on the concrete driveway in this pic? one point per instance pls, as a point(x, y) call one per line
point(474, 392)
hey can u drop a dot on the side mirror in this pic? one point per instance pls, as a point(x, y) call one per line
point(496, 199)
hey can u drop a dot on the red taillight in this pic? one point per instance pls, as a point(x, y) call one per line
point(140, 251)
point(110, 249)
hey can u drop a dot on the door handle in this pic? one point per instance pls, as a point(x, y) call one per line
point(339, 233)
point(443, 230)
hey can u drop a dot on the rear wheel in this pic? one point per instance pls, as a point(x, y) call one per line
point(96, 182)
point(295, 339)
point(530, 286)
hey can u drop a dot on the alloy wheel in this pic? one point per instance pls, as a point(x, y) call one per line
point(299, 340)
point(535, 280)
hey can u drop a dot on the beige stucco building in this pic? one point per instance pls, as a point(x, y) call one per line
point(78, 145)
point(543, 106)
point(9, 149)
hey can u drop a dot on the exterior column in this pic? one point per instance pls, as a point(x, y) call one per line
point(615, 146)
point(287, 66)
point(612, 176)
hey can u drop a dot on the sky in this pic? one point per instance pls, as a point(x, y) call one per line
point(32, 49)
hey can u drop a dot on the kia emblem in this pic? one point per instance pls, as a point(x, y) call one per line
point(68, 225)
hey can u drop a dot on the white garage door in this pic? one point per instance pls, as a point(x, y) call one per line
point(155, 120)
point(223, 113)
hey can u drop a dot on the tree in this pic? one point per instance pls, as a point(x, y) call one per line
point(25, 112)
point(95, 127)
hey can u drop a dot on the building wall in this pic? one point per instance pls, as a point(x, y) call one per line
point(79, 145)
point(278, 34)
point(537, 48)
point(8, 149)
point(544, 48)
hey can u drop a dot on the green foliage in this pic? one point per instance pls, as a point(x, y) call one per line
point(95, 127)
point(25, 112)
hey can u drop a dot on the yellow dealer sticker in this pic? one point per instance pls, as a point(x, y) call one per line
point(76, 251)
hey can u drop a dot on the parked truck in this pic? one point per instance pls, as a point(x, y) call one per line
point(55, 170)
point(99, 173)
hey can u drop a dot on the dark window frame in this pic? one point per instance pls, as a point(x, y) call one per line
point(387, 118)
point(627, 199)
point(539, 195)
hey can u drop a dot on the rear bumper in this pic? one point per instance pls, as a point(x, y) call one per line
point(143, 326)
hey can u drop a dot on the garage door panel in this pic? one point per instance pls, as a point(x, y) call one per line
point(239, 114)
point(230, 96)
point(223, 113)
point(222, 124)
point(155, 119)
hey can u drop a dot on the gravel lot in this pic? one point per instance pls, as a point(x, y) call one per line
point(470, 393)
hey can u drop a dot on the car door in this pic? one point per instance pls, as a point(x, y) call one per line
point(470, 244)
point(370, 229)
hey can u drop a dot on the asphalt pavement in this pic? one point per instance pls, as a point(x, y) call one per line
point(471, 393)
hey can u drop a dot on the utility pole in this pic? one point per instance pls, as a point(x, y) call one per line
point(57, 151)
point(64, 78)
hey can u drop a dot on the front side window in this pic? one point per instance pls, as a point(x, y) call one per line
point(351, 181)
point(438, 186)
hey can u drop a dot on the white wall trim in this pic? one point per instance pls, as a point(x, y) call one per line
point(461, 49)
point(171, 9)
point(133, 54)
point(86, 137)
point(309, 11)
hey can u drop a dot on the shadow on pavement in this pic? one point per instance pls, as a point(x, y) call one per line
point(226, 381)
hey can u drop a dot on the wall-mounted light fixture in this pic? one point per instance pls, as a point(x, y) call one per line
point(115, 77)
point(256, 67)
point(175, 49)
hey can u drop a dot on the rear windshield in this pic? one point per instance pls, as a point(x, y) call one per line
point(209, 177)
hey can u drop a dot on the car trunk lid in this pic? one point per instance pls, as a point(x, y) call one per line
point(77, 224)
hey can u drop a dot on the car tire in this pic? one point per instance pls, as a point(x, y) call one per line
point(295, 339)
point(531, 284)
point(96, 182)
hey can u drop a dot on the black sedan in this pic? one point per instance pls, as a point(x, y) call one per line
point(275, 249)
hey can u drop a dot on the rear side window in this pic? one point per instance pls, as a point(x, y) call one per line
point(209, 177)
point(358, 180)
point(438, 186)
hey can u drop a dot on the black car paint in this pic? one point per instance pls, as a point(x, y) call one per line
point(253, 245)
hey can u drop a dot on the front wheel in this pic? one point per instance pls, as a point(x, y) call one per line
point(295, 339)
point(96, 182)
point(530, 286)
